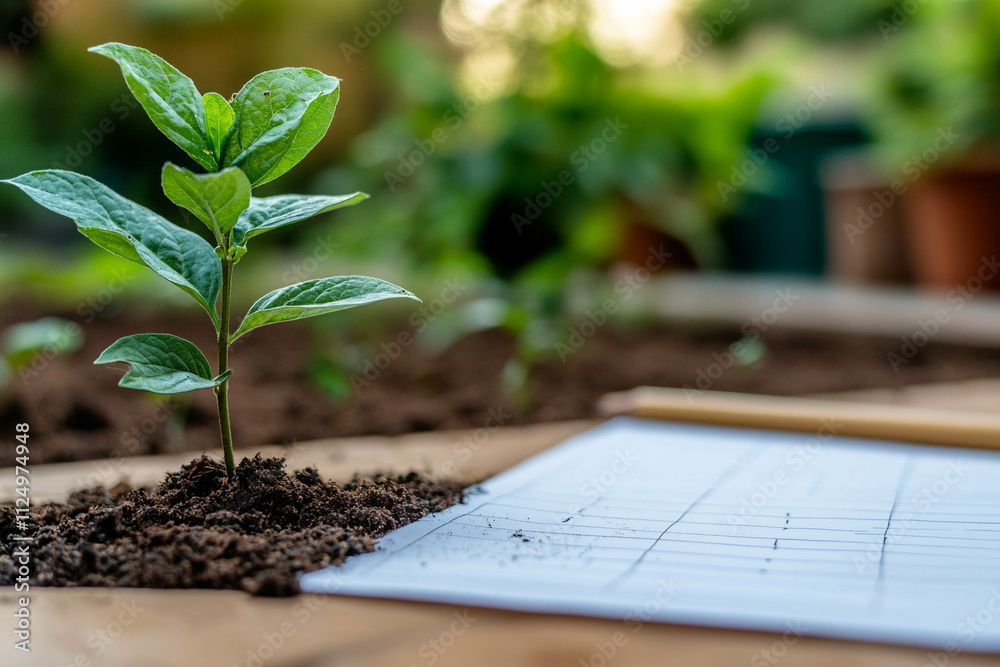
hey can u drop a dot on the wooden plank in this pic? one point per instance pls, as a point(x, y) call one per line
point(810, 415)
point(967, 396)
point(822, 306)
point(148, 628)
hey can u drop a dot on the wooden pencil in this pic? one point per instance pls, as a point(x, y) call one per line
point(806, 415)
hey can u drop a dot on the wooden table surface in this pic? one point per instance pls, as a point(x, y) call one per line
point(140, 628)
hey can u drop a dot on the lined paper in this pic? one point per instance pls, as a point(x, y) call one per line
point(650, 521)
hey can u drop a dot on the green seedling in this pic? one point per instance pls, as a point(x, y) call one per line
point(267, 128)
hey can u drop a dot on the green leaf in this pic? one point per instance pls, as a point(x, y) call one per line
point(318, 297)
point(269, 213)
point(217, 199)
point(162, 364)
point(219, 117)
point(168, 96)
point(129, 230)
point(280, 116)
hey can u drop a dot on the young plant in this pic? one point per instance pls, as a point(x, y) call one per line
point(266, 128)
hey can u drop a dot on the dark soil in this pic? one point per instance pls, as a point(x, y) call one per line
point(196, 530)
point(77, 412)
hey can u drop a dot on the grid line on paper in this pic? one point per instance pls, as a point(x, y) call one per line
point(709, 523)
point(888, 524)
point(807, 574)
point(485, 538)
point(455, 521)
point(748, 453)
point(644, 502)
point(878, 590)
point(801, 517)
point(452, 520)
point(852, 531)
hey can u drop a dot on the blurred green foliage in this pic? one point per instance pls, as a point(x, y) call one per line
point(549, 175)
point(521, 188)
point(924, 65)
point(940, 69)
point(28, 346)
point(821, 21)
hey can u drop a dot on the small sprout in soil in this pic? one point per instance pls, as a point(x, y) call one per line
point(241, 144)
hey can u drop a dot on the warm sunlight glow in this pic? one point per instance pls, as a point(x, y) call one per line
point(644, 32)
point(635, 32)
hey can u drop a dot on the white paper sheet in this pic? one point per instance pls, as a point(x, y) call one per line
point(654, 521)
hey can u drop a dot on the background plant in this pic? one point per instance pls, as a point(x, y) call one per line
point(464, 208)
point(920, 91)
point(26, 345)
point(267, 128)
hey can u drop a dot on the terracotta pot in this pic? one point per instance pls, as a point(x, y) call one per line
point(953, 224)
point(865, 240)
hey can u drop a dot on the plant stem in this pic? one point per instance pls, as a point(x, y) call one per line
point(222, 392)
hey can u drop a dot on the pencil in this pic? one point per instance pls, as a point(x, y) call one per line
point(806, 415)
